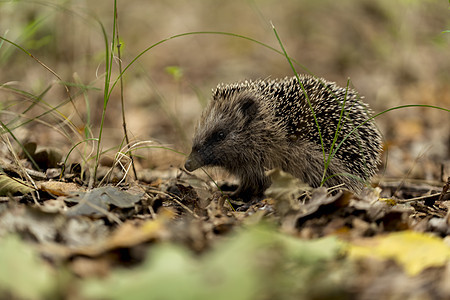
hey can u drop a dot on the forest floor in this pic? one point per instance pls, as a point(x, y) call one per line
point(174, 235)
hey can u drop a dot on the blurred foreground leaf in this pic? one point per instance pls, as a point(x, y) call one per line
point(22, 273)
point(255, 263)
point(285, 186)
point(412, 250)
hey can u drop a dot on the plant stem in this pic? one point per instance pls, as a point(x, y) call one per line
point(124, 123)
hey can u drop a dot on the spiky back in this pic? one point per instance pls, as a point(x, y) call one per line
point(338, 111)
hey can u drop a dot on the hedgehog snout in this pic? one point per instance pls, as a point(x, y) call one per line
point(193, 162)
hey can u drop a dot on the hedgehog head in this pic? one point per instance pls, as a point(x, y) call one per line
point(226, 126)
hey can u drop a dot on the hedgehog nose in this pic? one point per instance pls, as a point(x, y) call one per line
point(192, 162)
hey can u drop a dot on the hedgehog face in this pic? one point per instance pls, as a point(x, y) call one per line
point(205, 150)
point(223, 130)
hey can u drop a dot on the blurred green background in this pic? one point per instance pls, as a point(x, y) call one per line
point(394, 53)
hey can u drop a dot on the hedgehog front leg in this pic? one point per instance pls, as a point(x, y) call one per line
point(252, 184)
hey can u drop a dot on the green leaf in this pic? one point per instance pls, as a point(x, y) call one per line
point(169, 273)
point(175, 71)
point(257, 262)
point(22, 272)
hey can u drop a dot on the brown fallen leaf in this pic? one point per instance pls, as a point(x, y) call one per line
point(59, 188)
point(126, 236)
point(88, 267)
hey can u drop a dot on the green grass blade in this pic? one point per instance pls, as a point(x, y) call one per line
point(201, 33)
point(303, 89)
point(336, 135)
point(106, 90)
point(21, 146)
point(71, 150)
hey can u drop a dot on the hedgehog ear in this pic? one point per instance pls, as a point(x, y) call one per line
point(249, 108)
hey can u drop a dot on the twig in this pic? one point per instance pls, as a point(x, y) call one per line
point(410, 170)
point(178, 201)
point(426, 197)
point(124, 123)
point(445, 189)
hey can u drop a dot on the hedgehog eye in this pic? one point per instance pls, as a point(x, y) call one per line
point(218, 136)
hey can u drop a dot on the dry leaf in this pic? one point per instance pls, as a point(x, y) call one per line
point(59, 188)
point(99, 200)
point(10, 186)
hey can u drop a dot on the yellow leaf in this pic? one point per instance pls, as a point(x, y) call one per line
point(388, 201)
point(412, 250)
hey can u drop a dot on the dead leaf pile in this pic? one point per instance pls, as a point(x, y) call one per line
point(181, 232)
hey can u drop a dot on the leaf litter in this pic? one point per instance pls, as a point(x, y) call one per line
point(99, 200)
point(147, 237)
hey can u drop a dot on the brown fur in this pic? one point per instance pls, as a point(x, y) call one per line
point(254, 126)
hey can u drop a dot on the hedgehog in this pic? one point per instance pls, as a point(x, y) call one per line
point(250, 127)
